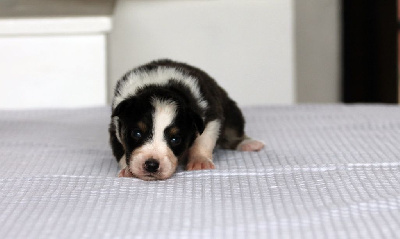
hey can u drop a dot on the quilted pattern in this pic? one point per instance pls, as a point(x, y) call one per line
point(327, 171)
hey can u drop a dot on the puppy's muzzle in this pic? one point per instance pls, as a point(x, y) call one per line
point(151, 165)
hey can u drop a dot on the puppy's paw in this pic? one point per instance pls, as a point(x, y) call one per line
point(125, 172)
point(199, 162)
point(250, 145)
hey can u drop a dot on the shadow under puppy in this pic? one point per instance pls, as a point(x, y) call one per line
point(164, 112)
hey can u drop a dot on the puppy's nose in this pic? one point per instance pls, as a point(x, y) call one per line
point(151, 165)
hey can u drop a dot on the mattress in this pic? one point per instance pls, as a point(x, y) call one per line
point(327, 171)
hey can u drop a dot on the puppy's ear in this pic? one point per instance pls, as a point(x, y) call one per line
point(121, 107)
point(197, 121)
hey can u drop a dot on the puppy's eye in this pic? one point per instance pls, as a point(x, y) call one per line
point(136, 134)
point(175, 141)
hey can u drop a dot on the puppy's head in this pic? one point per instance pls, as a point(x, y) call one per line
point(155, 134)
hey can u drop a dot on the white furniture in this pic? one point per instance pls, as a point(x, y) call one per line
point(53, 61)
point(53, 53)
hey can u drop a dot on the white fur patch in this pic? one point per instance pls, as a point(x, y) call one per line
point(122, 162)
point(117, 133)
point(159, 76)
point(205, 143)
point(157, 148)
point(164, 114)
point(250, 145)
point(200, 154)
point(211, 133)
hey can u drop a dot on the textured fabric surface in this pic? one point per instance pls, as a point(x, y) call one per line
point(327, 171)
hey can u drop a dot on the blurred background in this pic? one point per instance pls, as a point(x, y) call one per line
point(70, 53)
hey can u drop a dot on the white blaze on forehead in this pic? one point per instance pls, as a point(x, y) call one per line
point(164, 114)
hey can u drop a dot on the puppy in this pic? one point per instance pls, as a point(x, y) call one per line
point(164, 112)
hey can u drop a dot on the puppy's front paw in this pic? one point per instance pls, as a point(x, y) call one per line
point(199, 162)
point(250, 145)
point(125, 172)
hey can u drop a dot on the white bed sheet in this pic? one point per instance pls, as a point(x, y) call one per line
point(327, 171)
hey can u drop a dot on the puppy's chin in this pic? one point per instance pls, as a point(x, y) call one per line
point(161, 175)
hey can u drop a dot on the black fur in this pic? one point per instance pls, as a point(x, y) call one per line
point(190, 116)
point(220, 106)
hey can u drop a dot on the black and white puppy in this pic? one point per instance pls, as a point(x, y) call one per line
point(164, 112)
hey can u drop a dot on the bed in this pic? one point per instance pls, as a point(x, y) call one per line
point(327, 171)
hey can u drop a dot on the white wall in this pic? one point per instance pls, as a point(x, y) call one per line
point(318, 46)
point(247, 46)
